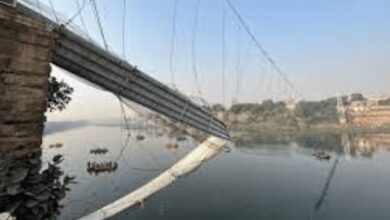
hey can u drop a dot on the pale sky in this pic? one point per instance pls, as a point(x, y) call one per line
point(325, 47)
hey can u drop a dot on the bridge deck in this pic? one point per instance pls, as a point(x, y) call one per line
point(92, 63)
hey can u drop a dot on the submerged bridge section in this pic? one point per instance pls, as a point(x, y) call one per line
point(29, 41)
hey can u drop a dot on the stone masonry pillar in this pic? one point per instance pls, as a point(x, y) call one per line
point(25, 55)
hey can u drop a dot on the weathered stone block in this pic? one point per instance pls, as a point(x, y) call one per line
point(21, 130)
point(7, 130)
point(24, 51)
point(16, 18)
point(24, 80)
point(19, 143)
point(26, 35)
point(8, 117)
point(22, 92)
point(8, 64)
point(25, 55)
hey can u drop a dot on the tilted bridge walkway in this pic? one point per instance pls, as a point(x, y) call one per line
point(89, 61)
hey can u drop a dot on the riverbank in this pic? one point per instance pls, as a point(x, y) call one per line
point(257, 132)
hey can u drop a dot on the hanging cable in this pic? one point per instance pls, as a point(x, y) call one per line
point(97, 18)
point(262, 49)
point(223, 57)
point(54, 11)
point(173, 43)
point(124, 12)
point(78, 12)
point(238, 65)
point(123, 112)
point(242, 68)
point(124, 117)
point(82, 18)
point(193, 46)
point(39, 6)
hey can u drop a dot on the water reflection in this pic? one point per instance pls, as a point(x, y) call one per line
point(27, 192)
point(325, 190)
point(289, 178)
point(348, 145)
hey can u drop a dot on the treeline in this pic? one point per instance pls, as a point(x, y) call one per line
point(276, 113)
point(318, 112)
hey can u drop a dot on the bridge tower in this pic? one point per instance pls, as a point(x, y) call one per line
point(25, 54)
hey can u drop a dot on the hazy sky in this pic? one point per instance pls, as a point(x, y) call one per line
point(325, 47)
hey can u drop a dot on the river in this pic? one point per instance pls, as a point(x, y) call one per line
point(267, 180)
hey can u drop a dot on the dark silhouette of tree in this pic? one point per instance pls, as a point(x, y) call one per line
point(357, 97)
point(317, 112)
point(59, 95)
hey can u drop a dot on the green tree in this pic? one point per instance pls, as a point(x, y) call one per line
point(59, 95)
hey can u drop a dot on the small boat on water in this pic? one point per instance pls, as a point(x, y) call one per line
point(57, 145)
point(321, 155)
point(98, 151)
point(140, 137)
point(172, 145)
point(181, 138)
point(103, 167)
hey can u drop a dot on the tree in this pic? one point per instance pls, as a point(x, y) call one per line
point(357, 97)
point(59, 95)
point(316, 112)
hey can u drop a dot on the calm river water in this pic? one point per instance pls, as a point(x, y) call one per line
point(275, 180)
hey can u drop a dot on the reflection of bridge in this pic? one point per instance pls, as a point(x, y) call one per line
point(29, 41)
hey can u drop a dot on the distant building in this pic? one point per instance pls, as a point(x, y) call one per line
point(291, 104)
point(368, 113)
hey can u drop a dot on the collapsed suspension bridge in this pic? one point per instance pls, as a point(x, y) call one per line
point(97, 65)
point(30, 40)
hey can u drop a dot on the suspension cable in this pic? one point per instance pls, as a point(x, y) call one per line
point(82, 19)
point(53, 11)
point(238, 66)
point(223, 56)
point(193, 45)
point(173, 42)
point(124, 12)
point(78, 12)
point(262, 49)
point(97, 18)
point(39, 6)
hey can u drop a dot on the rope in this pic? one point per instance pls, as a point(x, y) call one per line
point(173, 43)
point(240, 69)
point(238, 65)
point(39, 6)
point(262, 49)
point(223, 57)
point(53, 11)
point(124, 12)
point(193, 45)
point(97, 18)
point(82, 19)
point(79, 10)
